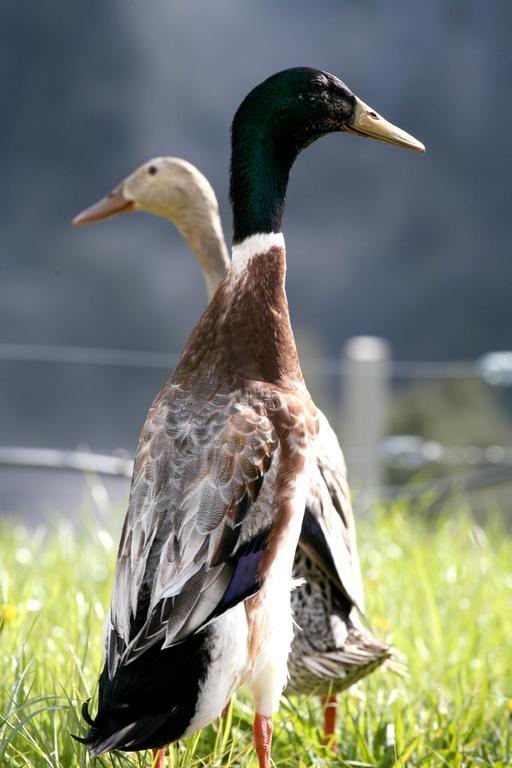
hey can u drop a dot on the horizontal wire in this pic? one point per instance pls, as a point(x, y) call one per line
point(76, 461)
point(474, 480)
point(50, 353)
point(411, 452)
point(119, 466)
point(131, 358)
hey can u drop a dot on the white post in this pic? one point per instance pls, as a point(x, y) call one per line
point(364, 409)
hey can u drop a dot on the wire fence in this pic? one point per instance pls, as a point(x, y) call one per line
point(122, 466)
point(485, 465)
point(495, 367)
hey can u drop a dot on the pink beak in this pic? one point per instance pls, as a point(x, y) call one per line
point(114, 203)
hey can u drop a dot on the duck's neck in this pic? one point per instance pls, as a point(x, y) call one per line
point(262, 338)
point(205, 238)
point(259, 178)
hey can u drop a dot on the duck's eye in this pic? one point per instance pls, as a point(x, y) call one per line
point(319, 83)
point(152, 170)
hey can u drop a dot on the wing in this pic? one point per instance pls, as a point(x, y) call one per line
point(328, 533)
point(198, 472)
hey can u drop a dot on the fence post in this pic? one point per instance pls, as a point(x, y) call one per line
point(364, 409)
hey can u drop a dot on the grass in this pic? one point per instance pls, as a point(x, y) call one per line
point(439, 588)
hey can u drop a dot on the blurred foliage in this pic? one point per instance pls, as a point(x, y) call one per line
point(453, 412)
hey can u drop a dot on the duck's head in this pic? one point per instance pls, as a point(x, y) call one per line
point(278, 119)
point(176, 190)
point(164, 186)
point(299, 105)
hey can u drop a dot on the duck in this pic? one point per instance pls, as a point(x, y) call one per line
point(332, 647)
point(176, 190)
point(201, 596)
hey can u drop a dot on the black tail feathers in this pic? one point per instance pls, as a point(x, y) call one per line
point(149, 702)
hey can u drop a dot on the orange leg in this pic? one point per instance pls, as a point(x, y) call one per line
point(330, 703)
point(158, 758)
point(262, 734)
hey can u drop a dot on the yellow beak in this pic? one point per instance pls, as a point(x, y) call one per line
point(114, 203)
point(367, 122)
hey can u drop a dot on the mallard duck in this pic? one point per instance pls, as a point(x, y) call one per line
point(331, 648)
point(201, 598)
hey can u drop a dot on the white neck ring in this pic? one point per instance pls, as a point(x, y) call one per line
point(252, 246)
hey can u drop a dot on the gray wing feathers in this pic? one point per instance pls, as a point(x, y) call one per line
point(193, 467)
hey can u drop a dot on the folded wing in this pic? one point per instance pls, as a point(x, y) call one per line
point(328, 533)
point(198, 473)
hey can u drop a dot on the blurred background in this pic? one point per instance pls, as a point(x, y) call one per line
point(381, 242)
